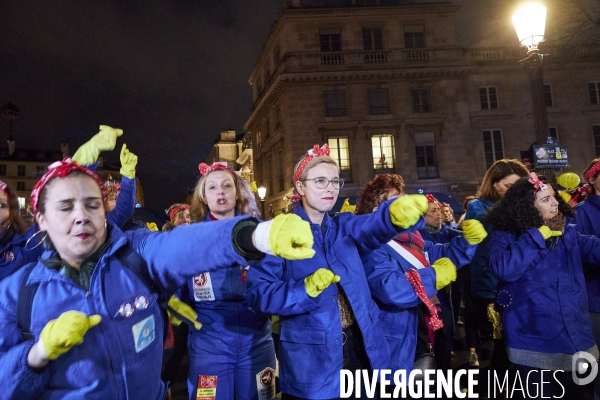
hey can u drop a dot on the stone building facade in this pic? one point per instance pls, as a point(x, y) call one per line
point(386, 84)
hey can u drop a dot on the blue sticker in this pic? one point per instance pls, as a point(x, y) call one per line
point(144, 333)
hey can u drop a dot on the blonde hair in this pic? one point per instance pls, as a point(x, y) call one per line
point(311, 164)
point(245, 202)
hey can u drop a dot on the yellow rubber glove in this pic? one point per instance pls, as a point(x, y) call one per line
point(104, 140)
point(291, 238)
point(59, 335)
point(547, 233)
point(565, 196)
point(128, 162)
point(319, 281)
point(445, 272)
point(405, 211)
point(473, 231)
point(182, 310)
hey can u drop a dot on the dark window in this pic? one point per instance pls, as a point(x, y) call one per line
point(277, 118)
point(20, 185)
point(383, 154)
point(267, 129)
point(335, 103)
point(553, 132)
point(20, 170)
point(426, 164)
point(330, 40)
point(594, 89)
point(488, 98)
point(597, 139)
point(379, 102)
point(414, 37)
point(492, 146)
point(548, 96)
point(372, 39)
point(40, 170)
point(2, 169)
point(40, 155)
point(339, 152)
point(258, 140)
point(420, 100)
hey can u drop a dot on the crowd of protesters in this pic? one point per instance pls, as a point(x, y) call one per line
point(95, 306)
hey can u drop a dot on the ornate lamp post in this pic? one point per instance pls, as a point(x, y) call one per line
point(262, 192)
point(530, 23)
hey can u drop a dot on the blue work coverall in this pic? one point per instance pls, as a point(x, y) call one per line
point(235, 342)
point(120, 358)
point(396, 297)
point(311, 340)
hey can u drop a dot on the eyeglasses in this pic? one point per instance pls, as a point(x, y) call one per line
point(322, 183)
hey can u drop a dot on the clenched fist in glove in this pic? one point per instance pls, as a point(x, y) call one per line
point(287, 236)
point(60, 335)
point(128, 162)
point(405, 211)
point(104, 140)
point(547, 233)
point(445, 272)
point(473, 231)
point(319, 281)
point(179, 311)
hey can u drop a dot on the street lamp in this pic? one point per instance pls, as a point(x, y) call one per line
point(262, 192)
point(530, 23)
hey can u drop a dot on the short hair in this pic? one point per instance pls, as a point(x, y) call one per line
point(498, 171)
point(311, 164)
point(378, 190)
point(245, 201)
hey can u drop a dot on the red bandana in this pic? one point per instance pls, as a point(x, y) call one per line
point(4, 188)
point(415, 280)
point(205, 168)
point(174, 211)
point(539, 185)
point(62, 169)
point(591, 172)
point(312, 153)
point(432, 199)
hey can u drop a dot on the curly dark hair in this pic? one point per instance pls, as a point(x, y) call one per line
point(378, 190)
point(516, 213)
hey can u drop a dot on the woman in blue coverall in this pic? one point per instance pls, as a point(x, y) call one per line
point(235, 343)
point(328, 320)
point(537, 258)
point(388, 267)
point(90, 285)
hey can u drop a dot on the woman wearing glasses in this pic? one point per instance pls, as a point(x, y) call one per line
point(328, 321)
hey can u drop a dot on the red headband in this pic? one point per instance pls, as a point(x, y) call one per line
point(539, 185)
point(432, 199)
point(4, 188)
point(589, 174)
point(205, 169)
point(174, 211)
point(312, 153)
point(62, 169)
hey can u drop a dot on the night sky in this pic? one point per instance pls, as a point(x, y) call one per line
point(172, 74)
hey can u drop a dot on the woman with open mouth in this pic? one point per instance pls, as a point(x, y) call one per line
point(235, 343)
point(537, 258)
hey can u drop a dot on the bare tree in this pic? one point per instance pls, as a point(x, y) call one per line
point(574, 21)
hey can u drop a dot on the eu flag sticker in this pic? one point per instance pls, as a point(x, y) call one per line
point(143, 333)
